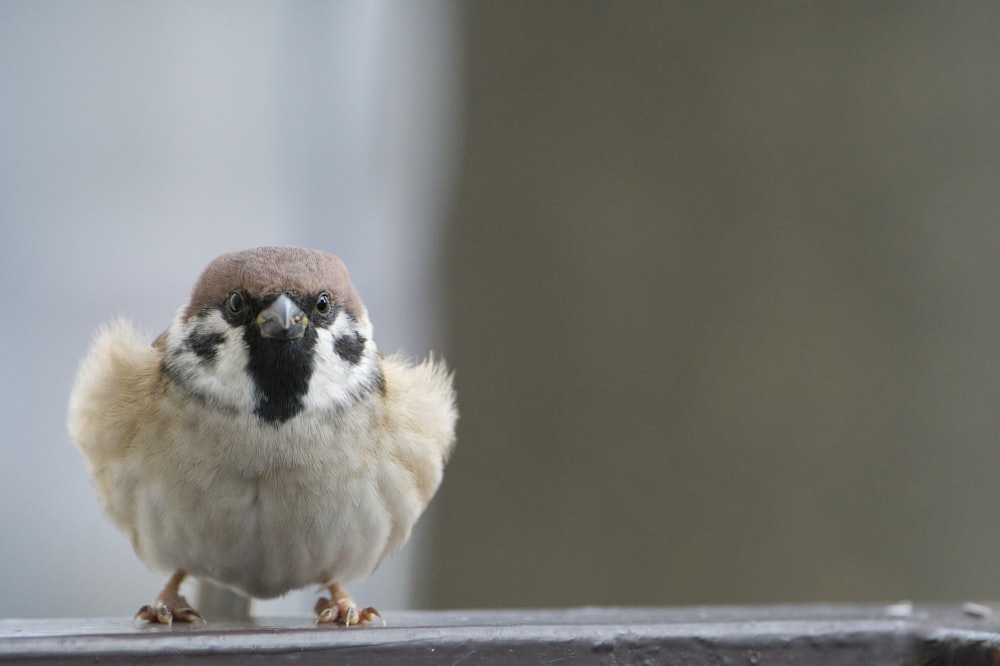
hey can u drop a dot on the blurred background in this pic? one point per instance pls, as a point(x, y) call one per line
point(718, 280)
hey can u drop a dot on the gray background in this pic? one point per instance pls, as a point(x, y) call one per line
point(719, 280)
point(725, 295)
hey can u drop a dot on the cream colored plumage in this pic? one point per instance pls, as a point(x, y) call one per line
point(220, 470)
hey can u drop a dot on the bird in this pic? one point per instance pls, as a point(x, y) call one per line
point(263, 441)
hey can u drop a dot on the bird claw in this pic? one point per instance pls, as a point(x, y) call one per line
point(162, 613)
point(340, 608)
point(355, 616)
point(349, 617)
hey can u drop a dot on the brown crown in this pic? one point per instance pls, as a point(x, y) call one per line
point(268, 270)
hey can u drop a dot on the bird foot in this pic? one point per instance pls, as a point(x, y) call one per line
point(162, 613)
point(169, 606)
point(340, 608)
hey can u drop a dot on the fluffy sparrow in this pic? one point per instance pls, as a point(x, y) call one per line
point(262, 441)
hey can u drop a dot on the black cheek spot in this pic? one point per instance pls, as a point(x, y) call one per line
point(350, 347)
point(205, 345)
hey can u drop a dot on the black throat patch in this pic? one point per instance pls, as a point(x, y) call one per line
point(281, 370)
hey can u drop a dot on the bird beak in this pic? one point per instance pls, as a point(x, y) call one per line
point(282, 320)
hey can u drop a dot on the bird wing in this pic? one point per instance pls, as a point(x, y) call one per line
point(112, 395)
point(420, 404)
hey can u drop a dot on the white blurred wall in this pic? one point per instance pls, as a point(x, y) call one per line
point(139, 140)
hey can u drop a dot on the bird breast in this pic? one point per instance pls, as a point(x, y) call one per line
point(273, 508)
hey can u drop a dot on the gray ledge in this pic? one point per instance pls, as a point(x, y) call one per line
point(811, 634)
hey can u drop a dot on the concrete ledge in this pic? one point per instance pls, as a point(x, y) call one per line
point(814, 634)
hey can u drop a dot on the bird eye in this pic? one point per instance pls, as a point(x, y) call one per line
point(323, 303)
point(235, 303)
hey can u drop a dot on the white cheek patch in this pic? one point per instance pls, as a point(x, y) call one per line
point(336, 382)
point(345, 324)
point(222, 377)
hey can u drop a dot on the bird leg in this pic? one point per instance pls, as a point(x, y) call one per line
point(169, 605)
point(340, 607)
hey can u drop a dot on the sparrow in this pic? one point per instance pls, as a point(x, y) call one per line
point(262, 441)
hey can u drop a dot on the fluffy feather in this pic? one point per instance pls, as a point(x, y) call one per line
point(201, 485)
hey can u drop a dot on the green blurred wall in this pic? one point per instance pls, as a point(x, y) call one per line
point(724, 282)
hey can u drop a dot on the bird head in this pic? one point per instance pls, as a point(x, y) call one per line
point(275, 332)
